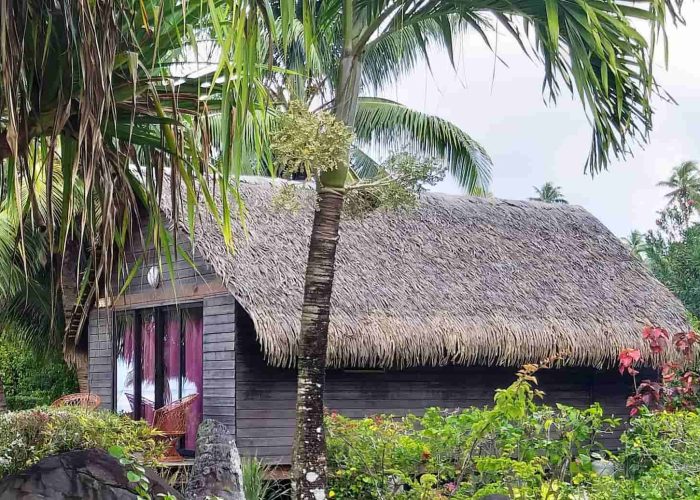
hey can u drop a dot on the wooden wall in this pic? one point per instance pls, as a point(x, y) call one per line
point(100, 346)
point(219, 360)
point(192, 285)
point(265, 396)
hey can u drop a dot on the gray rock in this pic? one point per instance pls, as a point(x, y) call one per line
point(217, 466)
point(85, 474)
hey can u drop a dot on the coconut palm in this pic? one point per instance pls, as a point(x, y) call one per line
point(380, 124)
point(592, 47)
point(27, 293)
point(683, 184)
point(549, 193)
point(636, 242)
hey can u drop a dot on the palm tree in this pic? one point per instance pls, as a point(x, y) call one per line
point(637, 243)
point(684, 183)
point(89, 87)
point(28, 285)
point(593, 47)
point(684, 189)
point(549, 193)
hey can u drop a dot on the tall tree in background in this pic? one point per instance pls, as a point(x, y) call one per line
point(676, 263)
point(636, 242)
point(684, 190)
point(592, 47)
point(549, 193)
point(683, 184)
point(672, 251)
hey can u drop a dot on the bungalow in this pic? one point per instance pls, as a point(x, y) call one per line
point(433, 306)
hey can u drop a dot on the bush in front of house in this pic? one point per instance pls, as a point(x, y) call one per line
point(517, 448)
point(28, 436)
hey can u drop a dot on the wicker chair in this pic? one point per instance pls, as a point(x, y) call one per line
point(147, 407)
point(171, 421)
point(88, 400)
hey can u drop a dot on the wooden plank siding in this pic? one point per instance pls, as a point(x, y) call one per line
point(182, 283)
point(265, 396)
point(100, 362)
point(219, 359)
point(192, 285)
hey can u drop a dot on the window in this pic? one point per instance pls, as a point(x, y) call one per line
point(158, 361)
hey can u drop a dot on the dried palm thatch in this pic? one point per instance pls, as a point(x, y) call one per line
point(458, 280)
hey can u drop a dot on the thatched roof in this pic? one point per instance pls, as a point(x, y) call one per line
point(458, 280)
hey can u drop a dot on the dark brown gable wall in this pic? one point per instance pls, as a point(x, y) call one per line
point(265, 396)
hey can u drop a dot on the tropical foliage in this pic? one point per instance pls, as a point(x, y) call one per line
point(549, 193)
point(636, 242)
point(676, 263)
point(26, 385)
point(30, 435)
point(518, 448)
point(92, 85)
point(257, 484)
point(28, 295)
point(672, 250)
point(679, 386)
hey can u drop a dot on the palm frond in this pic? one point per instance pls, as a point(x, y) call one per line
point(363, 164)
point(391, 126)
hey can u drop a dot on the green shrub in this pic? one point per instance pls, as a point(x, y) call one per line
point(668, 439)
point(31, 380)
point(517, 447)
point(30, 435)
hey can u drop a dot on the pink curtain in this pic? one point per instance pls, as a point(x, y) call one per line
point(125, 365)
point(171, 353)
point(148, 367)
point(193, 372)
point(128, 348)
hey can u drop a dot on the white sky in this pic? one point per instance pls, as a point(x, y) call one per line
point(531, 143)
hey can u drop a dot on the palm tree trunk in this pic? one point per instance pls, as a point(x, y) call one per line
point(309, 455)
point(79, 359)
point(75, 306)
point(3, 401)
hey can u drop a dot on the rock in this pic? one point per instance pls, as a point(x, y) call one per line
point(85, 474)
point(217, 466)
point(603, 467)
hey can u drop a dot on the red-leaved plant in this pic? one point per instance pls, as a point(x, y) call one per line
point(678, 387)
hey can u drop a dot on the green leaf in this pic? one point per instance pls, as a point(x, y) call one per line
point(552, 9)
point(391, 126)
point(133, 477)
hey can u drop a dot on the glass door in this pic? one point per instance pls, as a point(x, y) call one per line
point(182, 363)
point(158, 361)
